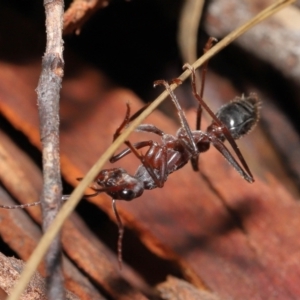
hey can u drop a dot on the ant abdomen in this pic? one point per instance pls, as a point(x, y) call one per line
point(240, 115)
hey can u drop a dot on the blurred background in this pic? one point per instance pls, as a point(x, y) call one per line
point(115, 56)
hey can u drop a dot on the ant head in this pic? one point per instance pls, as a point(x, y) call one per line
point(119, 184)
point(128, 189)
point(239, 116)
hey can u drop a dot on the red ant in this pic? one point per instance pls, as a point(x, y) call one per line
point(232, 121)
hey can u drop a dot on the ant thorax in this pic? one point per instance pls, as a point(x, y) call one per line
point(143, 176)
point(199, 137)
point(168, 138)
point(164, 159)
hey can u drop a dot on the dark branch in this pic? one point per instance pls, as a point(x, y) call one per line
point(48, 103)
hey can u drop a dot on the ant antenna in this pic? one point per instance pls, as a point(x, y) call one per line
point(22, 206)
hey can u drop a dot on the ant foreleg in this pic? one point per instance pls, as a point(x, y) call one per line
point(149, 128)
point(119, 221)
point(123, 124)
point(136, 114)
point(121, 232)
point(142, 128)
point(126, 151)
point(127, 120)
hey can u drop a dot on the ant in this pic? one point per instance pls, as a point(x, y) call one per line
point(231, 122)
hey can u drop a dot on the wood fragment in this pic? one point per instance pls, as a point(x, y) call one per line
point(281, 135)
point(79, 12)
point(222, 17)
point(211, 223)
point(239, 240)
point(178, 289)
point(10, 269)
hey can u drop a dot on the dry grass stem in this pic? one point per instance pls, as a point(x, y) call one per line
point(66, 210)
point(188, 29)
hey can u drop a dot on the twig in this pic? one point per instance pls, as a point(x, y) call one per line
point(175, 288)
point(75, 197)
point(48, 102)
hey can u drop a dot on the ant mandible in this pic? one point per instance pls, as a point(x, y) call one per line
point(231, 122)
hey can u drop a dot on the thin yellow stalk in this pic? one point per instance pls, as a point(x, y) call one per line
point(75, 197)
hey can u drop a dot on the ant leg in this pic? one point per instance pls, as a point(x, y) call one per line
point(136, 114)
point(125, 152)
point(182, 118)
point(226, 153)
point(194, 162)
point(158, 179)
point(142, 127)
point(225, 130)
point(208, 46)
point(198, 97)
point(121, 233)
point(124, 123)
point(133, 148)
point(149, 128)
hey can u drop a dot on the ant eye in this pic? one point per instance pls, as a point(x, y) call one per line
point(128, 195)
